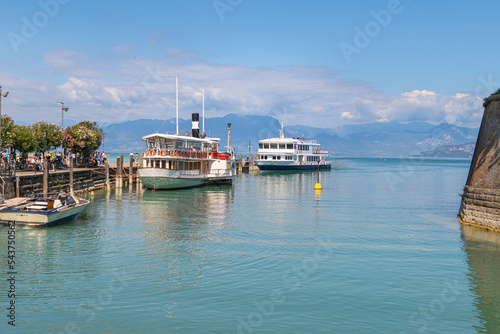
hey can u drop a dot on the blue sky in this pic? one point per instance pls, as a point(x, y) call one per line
point(317, 63)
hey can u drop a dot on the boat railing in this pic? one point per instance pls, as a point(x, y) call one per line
point(190, 172)
point(222, 172)
point(310, 141)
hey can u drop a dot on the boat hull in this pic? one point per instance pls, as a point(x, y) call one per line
point(291, 167)
point(155, 178)
point(42, 219)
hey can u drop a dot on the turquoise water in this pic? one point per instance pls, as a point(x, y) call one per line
point(379, 250)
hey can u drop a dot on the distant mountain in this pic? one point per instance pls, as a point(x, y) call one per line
point(372, 139)
point(451, 151)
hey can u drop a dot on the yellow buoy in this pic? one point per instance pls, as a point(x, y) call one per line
point(318, 186)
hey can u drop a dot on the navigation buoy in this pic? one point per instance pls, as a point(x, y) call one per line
point(318, 186)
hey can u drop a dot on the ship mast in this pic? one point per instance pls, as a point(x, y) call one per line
point(176, 105)
point(203, 114)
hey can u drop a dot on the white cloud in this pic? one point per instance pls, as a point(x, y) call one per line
point(128, 88)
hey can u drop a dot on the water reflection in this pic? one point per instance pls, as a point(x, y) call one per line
point(186, 215)
point(483, 253)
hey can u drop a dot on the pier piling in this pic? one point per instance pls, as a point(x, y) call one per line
point(71, 182)
point(45, 187)
point(131, 170)
point(119, 172)
point(108, 186)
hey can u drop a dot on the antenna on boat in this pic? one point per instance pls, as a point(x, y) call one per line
point(176, 105)
point(281, 131)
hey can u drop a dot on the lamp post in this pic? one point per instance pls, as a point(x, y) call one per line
point(63, 109)
point(1, 95)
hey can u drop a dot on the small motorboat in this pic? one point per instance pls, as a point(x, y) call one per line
point(44, 210)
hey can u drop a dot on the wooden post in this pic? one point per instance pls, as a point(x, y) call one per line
point(71, 182)
point(119, 172)
point(107, 175)
point(17, 186)
point(250, 163)
point(131, 170)
point(45, 188)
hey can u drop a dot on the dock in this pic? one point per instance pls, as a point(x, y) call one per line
point(246, 164)
point(23, 183)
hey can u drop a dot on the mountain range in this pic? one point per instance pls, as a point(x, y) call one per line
point(390, 139)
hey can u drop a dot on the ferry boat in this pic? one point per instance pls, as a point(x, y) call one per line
point(44, 210)
point(182, 161)
point(291, 154)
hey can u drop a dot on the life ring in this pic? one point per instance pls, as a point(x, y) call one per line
point(152, 152)
point(171, 153)
point(163, 153)
point(146, 153)
point(176, 153)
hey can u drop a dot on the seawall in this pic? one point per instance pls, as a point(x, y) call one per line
point(480, 204)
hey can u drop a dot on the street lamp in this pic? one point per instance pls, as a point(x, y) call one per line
point(4, 95)
point(63, 109)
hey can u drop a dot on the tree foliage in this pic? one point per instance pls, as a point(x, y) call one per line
point(7, 131)
point(23, 139)
point(84, 137)
point(54, 136)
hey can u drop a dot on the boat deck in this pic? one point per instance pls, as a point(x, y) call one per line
point(12, 201)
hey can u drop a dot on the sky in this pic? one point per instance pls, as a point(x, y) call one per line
point(316, 63)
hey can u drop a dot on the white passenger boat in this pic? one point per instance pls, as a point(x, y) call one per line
point(44, 210)
point(182, 161)
point(291, 154)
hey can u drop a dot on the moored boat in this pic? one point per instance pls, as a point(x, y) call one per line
point(44, 210)
point(275, 154)
point(183, 161)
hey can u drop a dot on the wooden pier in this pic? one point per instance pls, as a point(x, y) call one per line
point(71, 179)
point(245, 164)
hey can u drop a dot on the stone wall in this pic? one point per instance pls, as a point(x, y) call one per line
point(481, 199)
point(481, 206)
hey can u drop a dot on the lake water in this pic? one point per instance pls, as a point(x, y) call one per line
point(379, 250)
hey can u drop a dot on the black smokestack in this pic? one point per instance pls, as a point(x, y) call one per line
point(195, 127)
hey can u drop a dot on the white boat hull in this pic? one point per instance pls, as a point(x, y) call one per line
point(157, 178)
point(36, 219)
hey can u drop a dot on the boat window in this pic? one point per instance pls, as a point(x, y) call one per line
point(261, 145)
point(179, 144)
point(278, 157)
point(289, 146)
point(282, 146)
point(273, 146)
point(266, 145)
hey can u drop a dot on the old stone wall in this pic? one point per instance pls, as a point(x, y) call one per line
point(481, 199)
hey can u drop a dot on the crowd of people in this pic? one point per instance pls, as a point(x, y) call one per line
point(35, 161)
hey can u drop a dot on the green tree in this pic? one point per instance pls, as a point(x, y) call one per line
point(23, 139)
point(54, 135)
point(84, 137)
point(7, 128)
